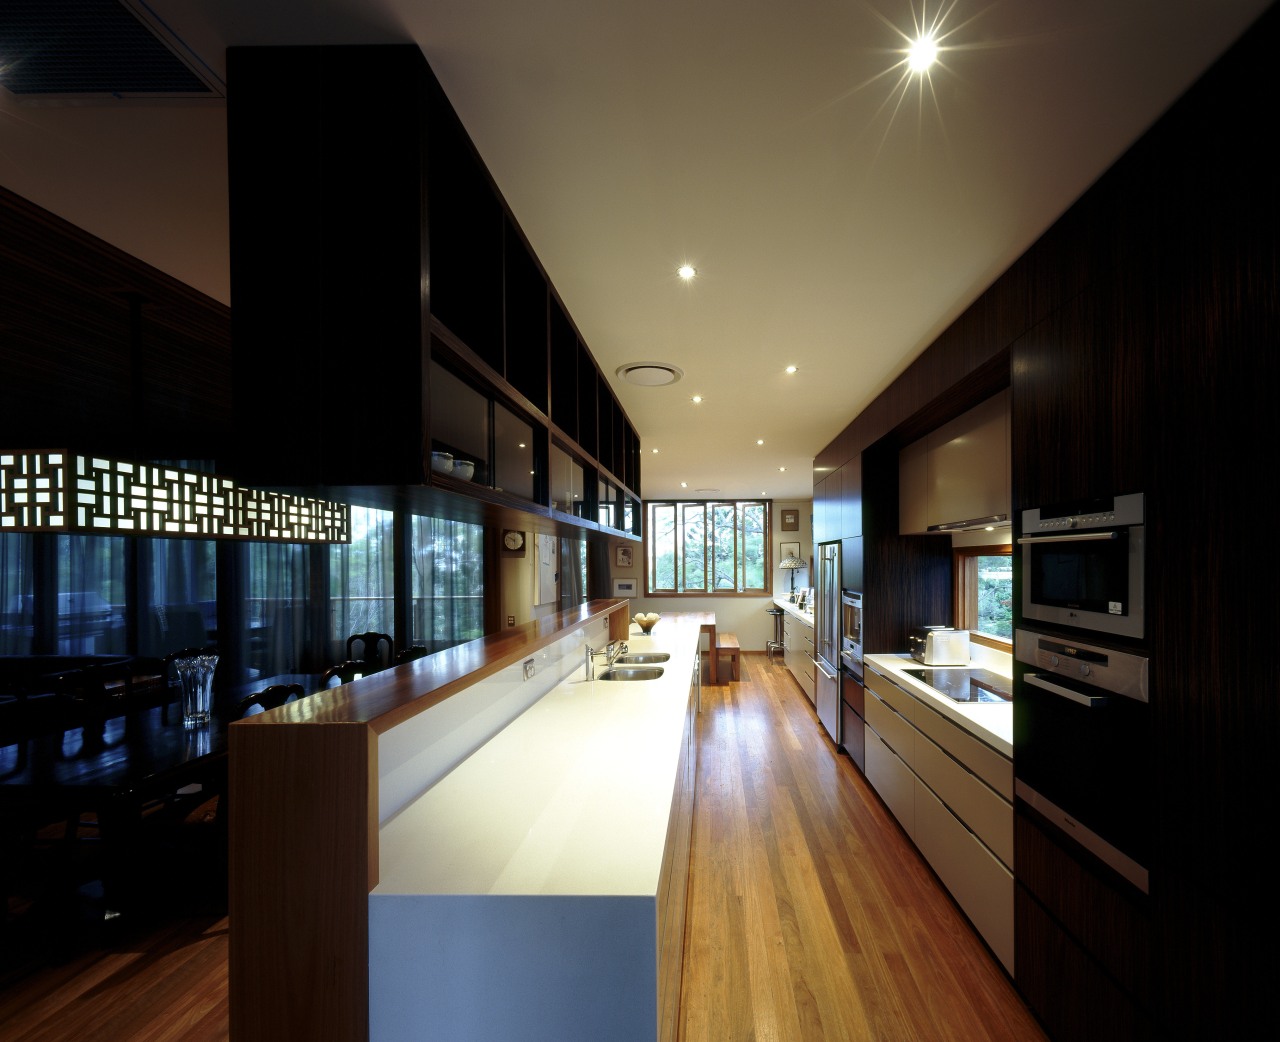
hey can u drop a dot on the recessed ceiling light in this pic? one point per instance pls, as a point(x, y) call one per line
point(696, 399)
point(654, 451)
point(922, 53)
point(684, 484)
point(782, 470)
point(686, 271)
point(649, 374)
point(791, 369)
point(759, 441)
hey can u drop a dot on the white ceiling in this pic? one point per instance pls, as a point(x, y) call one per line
point(839, 216)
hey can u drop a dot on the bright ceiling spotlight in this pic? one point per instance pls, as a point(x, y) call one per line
point(791, 370)
point(922, 53)
point(686, 271)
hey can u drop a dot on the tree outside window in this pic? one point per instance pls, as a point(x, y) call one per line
point(708, 547)
point(984, 592)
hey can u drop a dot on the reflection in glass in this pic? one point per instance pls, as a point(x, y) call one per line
point(362, 579)
point(460, 422)
point(91, 595)
point(275, 615)
point(513, 453)
point(567, 482)
point(179, 594)
point(17, 594)
point(447, 582)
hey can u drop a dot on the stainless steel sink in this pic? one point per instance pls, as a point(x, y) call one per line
point(640, 657)
point(630, 673)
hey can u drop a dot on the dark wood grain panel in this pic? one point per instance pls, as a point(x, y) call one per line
point(112, 355)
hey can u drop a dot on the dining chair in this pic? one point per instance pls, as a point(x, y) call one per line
point(375, 649)
point(269, 698)
point(345, 672)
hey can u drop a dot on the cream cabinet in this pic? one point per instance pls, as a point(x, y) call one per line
point(953, 795)
point(797, 635)
point(957, 473)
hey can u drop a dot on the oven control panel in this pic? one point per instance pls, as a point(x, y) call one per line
point(1117, 672)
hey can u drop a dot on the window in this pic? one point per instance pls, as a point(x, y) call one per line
point(708, 547)
point(17, 594)
point(178, 588)
point(448, 582)
point(91, 600)
point(984, 593)
point(362, 579)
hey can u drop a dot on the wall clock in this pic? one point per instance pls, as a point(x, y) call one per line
point(513, 540)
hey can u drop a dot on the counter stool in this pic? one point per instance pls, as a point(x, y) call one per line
point(777, 644)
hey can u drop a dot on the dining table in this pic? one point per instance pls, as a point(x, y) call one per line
point(143, 761)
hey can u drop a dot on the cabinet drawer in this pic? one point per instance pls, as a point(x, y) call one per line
point(892, 779)
point(892, 727)
point(891, 694)
point(971, 799)
point(992, 767)
point(980, 884)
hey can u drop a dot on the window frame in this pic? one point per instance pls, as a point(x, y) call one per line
point(708, 506)
point(965, 591)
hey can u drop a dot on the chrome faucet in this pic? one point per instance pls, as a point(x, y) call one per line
point(612, 650)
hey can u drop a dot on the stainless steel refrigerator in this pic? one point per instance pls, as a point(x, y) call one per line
point(827, 637)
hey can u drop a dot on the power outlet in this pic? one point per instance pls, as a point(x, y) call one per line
point(528, 669)
point(511, 620)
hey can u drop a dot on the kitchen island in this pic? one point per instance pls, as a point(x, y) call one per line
point(312, 782)
point(537, 891)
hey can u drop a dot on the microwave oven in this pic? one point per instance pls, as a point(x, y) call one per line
point(1084, 565)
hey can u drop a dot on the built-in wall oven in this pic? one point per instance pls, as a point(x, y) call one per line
point(1082, 747)
point(1083, 565)
point(852, 696)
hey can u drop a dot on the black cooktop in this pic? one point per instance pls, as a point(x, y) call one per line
point(961, 684)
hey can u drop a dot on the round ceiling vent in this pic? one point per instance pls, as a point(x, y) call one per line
point(649, 374)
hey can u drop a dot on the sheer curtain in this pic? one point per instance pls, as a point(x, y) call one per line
point(17, 594)
point(91, 595)
point(362, 579)
point(179, 595)
point(448, 582)
point(275, 611)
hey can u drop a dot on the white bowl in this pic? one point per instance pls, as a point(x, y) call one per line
point(442, 462)
point(464, 469)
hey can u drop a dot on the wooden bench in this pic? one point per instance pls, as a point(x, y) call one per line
point(727, 644)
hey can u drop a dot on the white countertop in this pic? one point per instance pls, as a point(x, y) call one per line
point(573, 797)
point(989, 722)
point(804, 616)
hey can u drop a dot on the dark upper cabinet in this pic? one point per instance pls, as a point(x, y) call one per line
point(363, 222)
point(466, 232)
point(564, 373)
point(525, 316)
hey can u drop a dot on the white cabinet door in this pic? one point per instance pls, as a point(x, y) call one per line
point(892, 779)
point(981, 885)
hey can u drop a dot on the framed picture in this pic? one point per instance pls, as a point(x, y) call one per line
point(624, 587)
point(622, 557)
point(786, 550)
point(791, 520)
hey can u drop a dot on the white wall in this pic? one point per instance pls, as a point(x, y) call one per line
point(743, 616)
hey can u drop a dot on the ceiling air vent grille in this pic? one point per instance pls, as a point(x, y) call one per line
point(64, 49)
point(649, 374)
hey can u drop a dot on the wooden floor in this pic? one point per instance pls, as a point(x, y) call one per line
point(811, 916)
